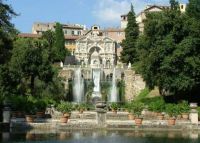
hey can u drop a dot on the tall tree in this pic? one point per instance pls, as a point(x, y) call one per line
point(30, 61)
point(129, 43)
point(59, 50)
point(7, 31)
point(193, 9)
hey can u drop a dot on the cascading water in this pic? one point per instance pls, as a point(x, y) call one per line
point(96, 75)
point(78, 86)
point(113, 92)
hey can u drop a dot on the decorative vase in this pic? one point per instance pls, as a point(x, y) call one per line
point(160, 116)
point(138, 121)
point(185, 116)
point(64, 119)
point(171, 121)
point(131, 116)
point(40, 114)
point(29, 118)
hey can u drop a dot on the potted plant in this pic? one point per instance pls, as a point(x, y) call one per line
point(158, 107)
point(30, 111)
point(184, 109)
point(172, 111)
point(40, 107)
point(128, 108)
point(82, 107)
point(65, 108)
point(137, 108)
point(114, 107)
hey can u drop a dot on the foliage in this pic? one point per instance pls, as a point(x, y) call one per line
point(59, 50)
point(184, 107)
point(40, 105)
point(7, 32)
point(168, 51)
point(131, 35)
point(157, 106)
point(114, 106)
point(82, 106)
point(193, 9)
point(64, 107)
point(143, 94)
point(171, 109)
point(137, 108)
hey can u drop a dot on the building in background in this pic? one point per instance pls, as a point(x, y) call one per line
point(140, 17)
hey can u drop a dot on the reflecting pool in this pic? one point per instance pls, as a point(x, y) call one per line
point(100, 136)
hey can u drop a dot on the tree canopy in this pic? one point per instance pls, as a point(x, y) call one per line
point(129, 43)
point(169, 52)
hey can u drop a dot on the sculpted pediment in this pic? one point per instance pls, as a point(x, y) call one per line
point(108, 39)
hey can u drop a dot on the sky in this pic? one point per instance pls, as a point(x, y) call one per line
point(105, 13)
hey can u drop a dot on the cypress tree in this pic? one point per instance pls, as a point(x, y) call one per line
point(129, 43)
point(59, 50)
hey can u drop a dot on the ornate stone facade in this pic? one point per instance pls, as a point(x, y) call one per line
point(96, 50)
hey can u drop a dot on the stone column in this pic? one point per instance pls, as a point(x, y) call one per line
point(6, 114)
point(193, 114)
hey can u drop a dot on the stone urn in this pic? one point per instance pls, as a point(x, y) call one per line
point(185, 116)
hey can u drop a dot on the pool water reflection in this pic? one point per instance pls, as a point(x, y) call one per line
point(101, 136)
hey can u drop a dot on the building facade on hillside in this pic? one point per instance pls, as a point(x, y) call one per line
point(71, 32)
point(96, 50)
point(140, 17)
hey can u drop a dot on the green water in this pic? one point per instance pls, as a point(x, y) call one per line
point(89, 136)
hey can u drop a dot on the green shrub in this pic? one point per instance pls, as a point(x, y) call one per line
point(172, 109)
point(157, 106)
point(143, 94)
point(40, 105)
point(184, 107)
point(64, 107)
point(114, 106)
point(82, 106)
point(137, 107)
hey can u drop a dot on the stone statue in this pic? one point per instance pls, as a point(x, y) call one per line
point(61, 64)
point(129, 65)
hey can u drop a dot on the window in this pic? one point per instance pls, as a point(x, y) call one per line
point(79, 32)
point(72, 32)
point(95, 27)
point(118, 33)
point(181, 6)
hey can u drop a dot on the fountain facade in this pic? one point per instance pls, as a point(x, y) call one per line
point(94, 58)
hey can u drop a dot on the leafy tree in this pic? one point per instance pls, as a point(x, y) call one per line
point(169, 52)
point(193, 9)
point(131, 34)
point(7, 31)
point(30, 60)
point(59, 50)
point(49, 36)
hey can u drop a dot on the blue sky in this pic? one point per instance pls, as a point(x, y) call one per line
point(105, 13)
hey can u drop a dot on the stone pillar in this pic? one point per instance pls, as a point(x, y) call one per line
point(6, 114)
point(101, 115)
point(193, 114)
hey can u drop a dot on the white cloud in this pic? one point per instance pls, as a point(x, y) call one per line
point(109, 11)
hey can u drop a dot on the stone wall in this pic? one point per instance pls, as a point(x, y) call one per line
point(133, 84)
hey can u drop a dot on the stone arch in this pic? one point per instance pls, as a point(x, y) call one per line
point(93, 47)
